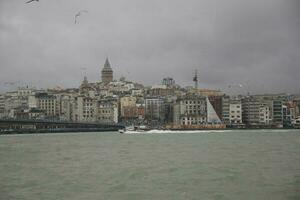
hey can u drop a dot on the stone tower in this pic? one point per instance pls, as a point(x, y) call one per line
point(107, 72)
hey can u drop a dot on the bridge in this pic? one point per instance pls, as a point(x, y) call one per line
point(34, 126)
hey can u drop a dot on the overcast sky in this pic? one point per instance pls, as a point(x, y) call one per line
point(254, 43)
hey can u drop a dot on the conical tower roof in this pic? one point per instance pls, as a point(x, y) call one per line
point(107, 67)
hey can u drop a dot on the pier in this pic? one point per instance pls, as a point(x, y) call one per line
point(36, 126)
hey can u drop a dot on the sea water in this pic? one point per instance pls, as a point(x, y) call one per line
point(238, 164)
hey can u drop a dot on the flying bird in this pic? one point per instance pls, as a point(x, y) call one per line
point(78, 14)
point(32, 1)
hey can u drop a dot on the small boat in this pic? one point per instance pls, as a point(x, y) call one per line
point(121, 131)
point(134, 129)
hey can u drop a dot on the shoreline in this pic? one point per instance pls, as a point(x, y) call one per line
point(45, 131)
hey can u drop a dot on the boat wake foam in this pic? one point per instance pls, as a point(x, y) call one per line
point(155, 131)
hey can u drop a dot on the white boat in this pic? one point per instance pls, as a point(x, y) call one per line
point(121, 130)
point(134, 129)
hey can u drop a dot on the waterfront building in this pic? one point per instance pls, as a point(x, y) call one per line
point(225, 103)
point(85, 109)
point(277, 113)
point(231, 111)
point(250, 112)
point(13, 101)
point(155, 109)
point(107, 110)
point(190, 110)
point(169, 109)
point(2, 105)
point(235, 112)
point(276, 103)
point(293, 107)
point(107, 73)
point(49, 104)
point(286, 115)
point(128, 108)
point(264, 115)
point(140, 111)
point(66, 102)
point(66, 109)
point(216, 102)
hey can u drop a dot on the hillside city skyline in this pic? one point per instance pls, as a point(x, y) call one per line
point(232, 88)
point(167, 105)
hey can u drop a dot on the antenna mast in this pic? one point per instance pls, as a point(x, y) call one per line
point(195, 79)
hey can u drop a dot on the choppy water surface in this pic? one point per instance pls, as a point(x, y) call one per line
point(260, 164)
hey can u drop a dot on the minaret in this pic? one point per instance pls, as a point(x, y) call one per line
point(107, 72)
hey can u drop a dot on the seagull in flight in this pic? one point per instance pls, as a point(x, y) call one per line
point(32, 1)
point(78, 14)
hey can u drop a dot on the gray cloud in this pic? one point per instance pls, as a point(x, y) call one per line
point(251, 42)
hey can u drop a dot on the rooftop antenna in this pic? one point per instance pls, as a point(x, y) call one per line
point(195, 79)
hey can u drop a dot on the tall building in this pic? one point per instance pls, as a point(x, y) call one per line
point(2, 105)
point(155, 109)
point(85, 109)
point(231, 111)
point(48, 103)
point(251, 110)
point(128, 107)
point(235, 111)
point(190, 110)
point(264, 114)
point(277, 113)
point(107, 72)
point(216, 102)
point(107, 110)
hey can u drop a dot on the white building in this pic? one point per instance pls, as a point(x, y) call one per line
point(85, 109)
point(264, 115)
point(235, 112)
point(231, 110)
